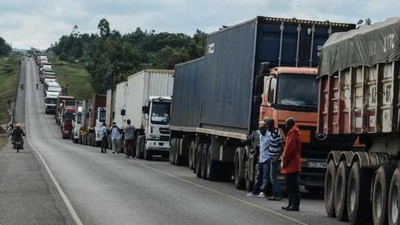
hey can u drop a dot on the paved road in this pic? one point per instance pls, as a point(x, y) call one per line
point(110, 189)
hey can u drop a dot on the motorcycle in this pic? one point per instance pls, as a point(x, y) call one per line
point(22, 87)
point(17, 145)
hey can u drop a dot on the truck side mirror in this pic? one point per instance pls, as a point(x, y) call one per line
point(259, 87)
point(145, 109)
point(264, 67)
point(123, 111)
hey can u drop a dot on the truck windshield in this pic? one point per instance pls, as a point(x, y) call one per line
point(50, 101)
point(297, 92)
point(68, 116)
point(160, 112)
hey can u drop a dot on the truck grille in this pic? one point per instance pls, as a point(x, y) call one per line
point(164, 138)
point(164, 130)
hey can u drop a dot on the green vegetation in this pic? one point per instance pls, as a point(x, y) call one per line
point(111, 57)
point(9, 68)
point(75, 77)
point(3, 140)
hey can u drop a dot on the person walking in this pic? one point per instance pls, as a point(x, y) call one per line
point(103, 136)
point(291, 164)
point(115, 138)
point(274, 153)
point(262, 179)
point(129, 135)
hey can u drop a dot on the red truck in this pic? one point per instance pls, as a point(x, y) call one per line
point(67, 116)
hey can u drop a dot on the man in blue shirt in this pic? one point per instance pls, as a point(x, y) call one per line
point(274, 154)
point(262, 178)
point(103, 136)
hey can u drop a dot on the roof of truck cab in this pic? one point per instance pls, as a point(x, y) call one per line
point(295, 70)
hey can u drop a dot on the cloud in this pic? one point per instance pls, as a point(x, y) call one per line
point(40, 23)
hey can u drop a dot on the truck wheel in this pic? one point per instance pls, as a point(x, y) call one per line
point(341, 178)
point(204, 163)
point(380, 194)
point(198, 160)
point(172, 151)
point(239, 172)
point(192, 149)
point(358, 196)
point(212, 166)
point(179, 159)
point(328, 189)
point(249, 176)
point(394, 193)
point(147, 155)
point(139, 153)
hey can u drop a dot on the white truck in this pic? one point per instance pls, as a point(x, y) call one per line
point(50, 102)
point(145, 99)
point(77, 123)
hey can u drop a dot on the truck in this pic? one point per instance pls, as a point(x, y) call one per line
point(62, 102)
point(249, 71)
point(96, 118)
point(50, 102)
point(83, 130)
point(145, 99)
point(359, 98)
point(67, 116)
point(77, 122)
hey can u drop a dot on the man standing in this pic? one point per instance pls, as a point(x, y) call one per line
point(274, 153)
point(262, 178)
point(115, 138)
point(129, 134)
point(103, 136)
point(291, 164)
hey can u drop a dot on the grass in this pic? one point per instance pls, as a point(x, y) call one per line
point(77, 78)
point(9, 68)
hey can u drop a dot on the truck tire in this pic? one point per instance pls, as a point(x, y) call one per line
point(172, 151)
point(394, 192)
point(139, 144)
point(358, 196)
point(212, 166)
point(342, 175)
point(198, 160)
point(147, 155)
point(240, 181)
point(204, 164)
point(380, 194)
point(329, 189)
point(178, 158)
point(192, 151)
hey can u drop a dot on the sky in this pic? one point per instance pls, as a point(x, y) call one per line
point(40, 23)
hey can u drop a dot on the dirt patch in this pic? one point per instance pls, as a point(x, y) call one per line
point(2, 131)
point(3, 140)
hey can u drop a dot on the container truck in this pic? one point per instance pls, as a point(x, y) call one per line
point(83, 131)
point(62, 102)
point(359, 97)
point(249, 71)
point(77, 123)
point(145, 99)
point(50, 102)
point(97, 116)
point(67, 116)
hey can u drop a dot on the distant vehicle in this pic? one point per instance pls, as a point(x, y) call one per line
point(50, 102)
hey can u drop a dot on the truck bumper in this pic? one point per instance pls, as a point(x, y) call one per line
point(154, 145)
point(66, 134)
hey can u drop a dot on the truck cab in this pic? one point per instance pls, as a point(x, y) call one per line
point(77, 123)
point(293, 92)
point(100, 119)
point(67, 117)
point(156, 125)
point(50, 102)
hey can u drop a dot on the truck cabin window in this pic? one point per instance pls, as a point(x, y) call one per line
point(102, 117)
point(51, 101)
point(272, 89)
point(160, 113)
point(298, 91)
point(68, 116)
point(79, 117)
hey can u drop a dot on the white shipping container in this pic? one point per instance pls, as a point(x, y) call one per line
point(140, 86)
point(109, 108)
point(120, 103)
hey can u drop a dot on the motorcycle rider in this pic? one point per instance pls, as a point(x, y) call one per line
point(22, 86)
point(37, 85)
point(17, 134)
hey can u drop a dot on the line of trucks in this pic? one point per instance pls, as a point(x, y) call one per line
point(340, 83)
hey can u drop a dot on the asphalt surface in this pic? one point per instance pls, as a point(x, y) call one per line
point(111, 189)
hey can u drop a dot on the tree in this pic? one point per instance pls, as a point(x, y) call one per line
point(5, 48)
point(104, 28)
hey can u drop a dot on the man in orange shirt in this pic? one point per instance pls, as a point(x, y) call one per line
point(291, 164)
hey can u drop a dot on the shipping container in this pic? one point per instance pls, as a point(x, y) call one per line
point(186, 105)
point(121, 95)
point(140, 86)
point(232, 60)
